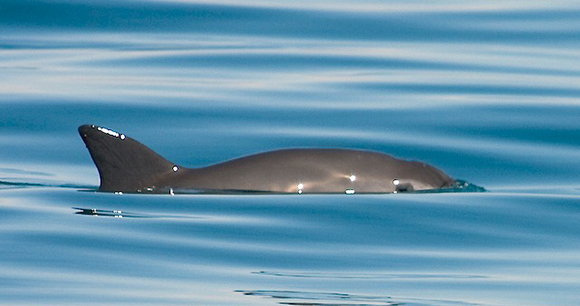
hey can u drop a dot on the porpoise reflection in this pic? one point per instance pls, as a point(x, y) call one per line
point(125, 165)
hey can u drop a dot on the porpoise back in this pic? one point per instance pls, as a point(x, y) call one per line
point(125, 165)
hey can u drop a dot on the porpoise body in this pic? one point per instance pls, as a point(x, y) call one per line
point(125, 165)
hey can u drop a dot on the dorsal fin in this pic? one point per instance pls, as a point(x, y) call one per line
point(124, 164)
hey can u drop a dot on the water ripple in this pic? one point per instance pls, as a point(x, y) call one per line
point(372, 276)
point(342, 299)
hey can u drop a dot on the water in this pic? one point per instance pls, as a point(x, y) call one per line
point(488, 92)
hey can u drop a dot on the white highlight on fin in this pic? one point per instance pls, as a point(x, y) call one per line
point(110, 132)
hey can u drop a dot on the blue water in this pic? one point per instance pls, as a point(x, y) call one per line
point(487, 91)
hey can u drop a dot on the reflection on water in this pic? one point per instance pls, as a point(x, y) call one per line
point(108, 213)
point(95, 212)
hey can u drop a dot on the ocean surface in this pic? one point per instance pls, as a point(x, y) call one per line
point(488, 91)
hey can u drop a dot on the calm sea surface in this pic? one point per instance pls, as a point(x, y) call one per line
point(487, 91)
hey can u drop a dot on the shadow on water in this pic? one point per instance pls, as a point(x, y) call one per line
point(343, 299)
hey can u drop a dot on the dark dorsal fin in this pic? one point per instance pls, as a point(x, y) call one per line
point(124, 164)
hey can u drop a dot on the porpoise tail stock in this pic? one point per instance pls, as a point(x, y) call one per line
point(126, 165)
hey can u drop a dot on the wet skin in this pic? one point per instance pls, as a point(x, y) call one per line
point(126, 165)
